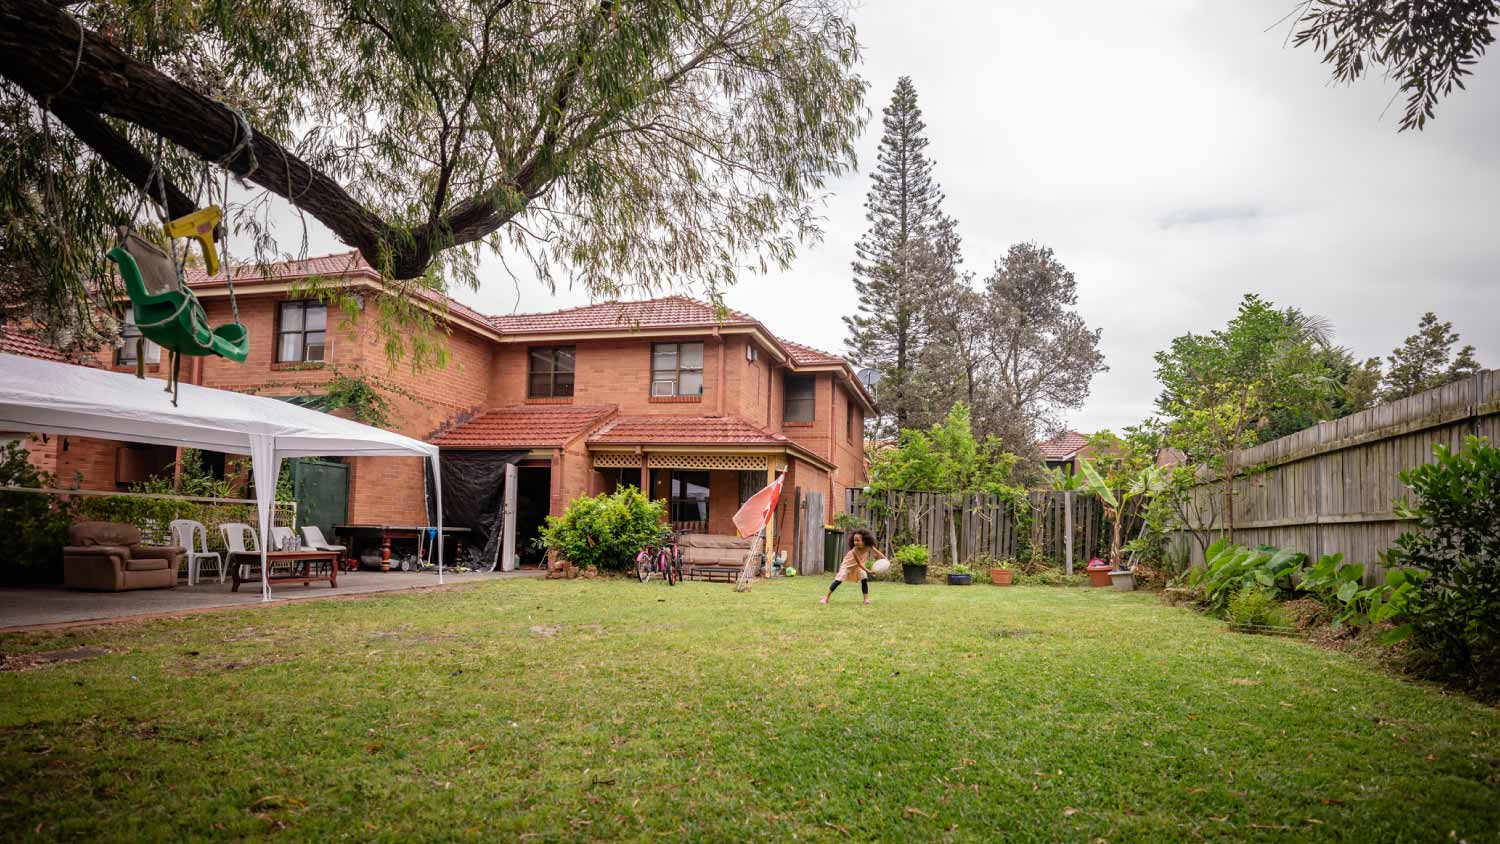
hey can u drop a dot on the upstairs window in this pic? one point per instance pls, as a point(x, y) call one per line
point(549, 374)
point(301, 331)
point(800, 399)
point(676, 369)
point(129, 334)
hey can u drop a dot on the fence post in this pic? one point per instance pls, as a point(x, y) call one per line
point(1068, 526)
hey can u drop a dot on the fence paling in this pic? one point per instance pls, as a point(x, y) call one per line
point(964, 527)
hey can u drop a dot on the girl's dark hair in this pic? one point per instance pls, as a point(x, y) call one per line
point(868, 537)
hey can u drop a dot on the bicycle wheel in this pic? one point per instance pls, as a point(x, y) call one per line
point(643, 563)
point(666, 567)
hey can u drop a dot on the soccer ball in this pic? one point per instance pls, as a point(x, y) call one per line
point(789, 571)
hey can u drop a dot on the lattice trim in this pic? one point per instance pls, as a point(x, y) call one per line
point(741, 462)
point(616, 460)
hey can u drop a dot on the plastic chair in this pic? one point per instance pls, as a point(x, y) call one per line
point(194, 537)
point(235, 534)
point(282, 538)
point(315, 540)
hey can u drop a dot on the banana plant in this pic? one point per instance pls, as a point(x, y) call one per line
point(1146, 481)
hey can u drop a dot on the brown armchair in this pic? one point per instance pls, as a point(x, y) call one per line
point(110, 557)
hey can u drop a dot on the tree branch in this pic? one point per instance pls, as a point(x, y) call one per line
point(129, 162)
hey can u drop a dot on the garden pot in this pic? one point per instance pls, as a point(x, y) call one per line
point(960, 579)
point(1098, 573)
point(1124, 581)
point(1002, 577)
point(914, 575)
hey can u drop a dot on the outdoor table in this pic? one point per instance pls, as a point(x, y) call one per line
point(301, 566)
point(385, 533)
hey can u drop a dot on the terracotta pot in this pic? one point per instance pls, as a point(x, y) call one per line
point(1098, 573)
point(1002, 577)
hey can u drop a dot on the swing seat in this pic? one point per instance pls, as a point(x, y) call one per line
point(170, 315)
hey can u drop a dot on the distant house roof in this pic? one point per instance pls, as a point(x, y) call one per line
point(808, 356)
point(22, 343)
point(522, 426)
point(665, 312)
point(1062, 446)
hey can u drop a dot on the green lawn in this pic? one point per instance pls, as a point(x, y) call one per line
point(606, 710)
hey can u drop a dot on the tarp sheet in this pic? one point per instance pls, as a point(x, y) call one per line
point(473, 495)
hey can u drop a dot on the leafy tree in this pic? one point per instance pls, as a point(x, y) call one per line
point(1041, 354)
point(1219, 390)
point(1426, 360)
point(946, 458)
point(1427, 46)
point(910, 251)
point(651, 141)
point(607, 530)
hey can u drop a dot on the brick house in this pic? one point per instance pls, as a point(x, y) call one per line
point(697, 407)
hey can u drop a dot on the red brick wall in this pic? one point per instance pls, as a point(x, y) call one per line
point(609, 372)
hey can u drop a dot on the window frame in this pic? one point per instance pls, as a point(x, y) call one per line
point(552, 352)
point(849, 421)
point(677, 372)
point(811, 398)
point(673, 499)
point(281, 331)
point(128, 334)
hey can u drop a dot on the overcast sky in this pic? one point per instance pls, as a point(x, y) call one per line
point(1176, 155)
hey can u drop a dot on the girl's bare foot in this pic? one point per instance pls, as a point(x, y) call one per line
point(824, 600)
point(867, 602)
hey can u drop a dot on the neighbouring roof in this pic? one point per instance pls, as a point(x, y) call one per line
point(665, 312)
point(808, 356)
point(1062, 446)
point(684, 430)
point(20, 343)
point(522, 426)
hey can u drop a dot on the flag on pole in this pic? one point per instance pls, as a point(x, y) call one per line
point(757, 511)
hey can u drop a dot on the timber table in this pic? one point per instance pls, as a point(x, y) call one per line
point(300, 571)
point(385, 533)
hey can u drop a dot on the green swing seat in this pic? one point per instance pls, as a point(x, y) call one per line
point(166, 312)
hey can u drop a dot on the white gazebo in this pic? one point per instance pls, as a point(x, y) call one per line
point(38, 396)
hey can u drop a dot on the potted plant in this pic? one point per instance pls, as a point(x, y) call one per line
point(960, 575)
point(1117, 493)
point(1001, 574)
point(913, 560)
point(1098, 572)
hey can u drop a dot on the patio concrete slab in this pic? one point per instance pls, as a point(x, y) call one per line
point(22, 608)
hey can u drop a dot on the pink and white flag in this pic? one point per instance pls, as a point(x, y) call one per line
point(757, 511)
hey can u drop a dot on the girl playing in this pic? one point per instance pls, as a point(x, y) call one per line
point(861, 549)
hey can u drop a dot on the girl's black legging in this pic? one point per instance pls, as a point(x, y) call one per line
point(864, 586)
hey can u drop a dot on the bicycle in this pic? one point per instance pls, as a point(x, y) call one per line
point(660, 558)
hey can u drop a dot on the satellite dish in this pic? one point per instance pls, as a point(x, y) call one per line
point(869, 378)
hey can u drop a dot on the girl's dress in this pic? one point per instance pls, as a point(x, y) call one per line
point(853, 567)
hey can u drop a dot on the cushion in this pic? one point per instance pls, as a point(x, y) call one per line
point(713, 540)
point(85, 534)
point(146, 564)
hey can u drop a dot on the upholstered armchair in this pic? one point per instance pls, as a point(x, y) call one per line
point(110, 557)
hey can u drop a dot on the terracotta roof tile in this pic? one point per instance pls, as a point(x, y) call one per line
point(522, 426)
point(1063, 445)
point(665, 312)
point(683, 430)
point(808, 356)
point(18, 343)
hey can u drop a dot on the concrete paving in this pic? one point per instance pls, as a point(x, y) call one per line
point(46, 606)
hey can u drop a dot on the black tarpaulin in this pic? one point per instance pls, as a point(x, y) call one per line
point(473, 495)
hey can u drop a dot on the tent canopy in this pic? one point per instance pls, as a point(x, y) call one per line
point(38, 396)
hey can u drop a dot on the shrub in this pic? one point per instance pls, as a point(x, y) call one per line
point(1339, 586)
point(1254, 605)
point(1231, 567)
point(1047, 576)
point(912, 555)
point(607, 530)
point(1455, 612)
point(847, 522)
point(36, 525)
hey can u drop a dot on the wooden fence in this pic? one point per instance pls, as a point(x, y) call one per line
point(1331, 488)
point(963, 527)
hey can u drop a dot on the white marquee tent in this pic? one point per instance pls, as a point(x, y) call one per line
point(38, 396)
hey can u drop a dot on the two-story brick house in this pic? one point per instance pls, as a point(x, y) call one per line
point(698, 407)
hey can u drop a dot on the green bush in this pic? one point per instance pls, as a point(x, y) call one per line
point(1339, 586)
point(36, 525)
point(1254, 605)
point(1231, 567)
point(1455, 613)
point(912, 555)
point(607, 530)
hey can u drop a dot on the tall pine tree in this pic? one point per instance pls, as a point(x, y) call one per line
point(909, 254)
point(1426, 360)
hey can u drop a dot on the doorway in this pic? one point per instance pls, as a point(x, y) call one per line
point(533, 504)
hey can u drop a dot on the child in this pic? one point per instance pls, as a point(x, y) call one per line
point(861, 549)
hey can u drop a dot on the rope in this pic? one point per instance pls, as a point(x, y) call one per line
point(77, 60)
point(243, 134)
point(234, 304)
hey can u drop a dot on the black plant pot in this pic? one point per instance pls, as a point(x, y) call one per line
point(960, 579)
point(915, 575)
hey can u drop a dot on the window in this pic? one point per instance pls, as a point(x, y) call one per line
point(549, 374)
point(801, 396)
point(301, 331)
point(689, 501)
point(849, 422)
point(676, 369)
point(751, 482)
point(129, 334)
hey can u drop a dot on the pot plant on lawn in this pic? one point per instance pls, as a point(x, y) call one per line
point(913, 560)
point(960, 575)
point(1002, 573)
point(1116, 493)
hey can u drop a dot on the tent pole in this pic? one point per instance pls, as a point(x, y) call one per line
point(437, 483)
point(264, 464)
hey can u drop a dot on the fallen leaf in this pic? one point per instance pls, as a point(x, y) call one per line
point(913, 810)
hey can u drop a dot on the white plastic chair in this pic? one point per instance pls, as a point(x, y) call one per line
point(282, 538)
point(235, 534)
point(194, 537)
point(315, 540)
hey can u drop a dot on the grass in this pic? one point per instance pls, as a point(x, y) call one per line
point(549, 711)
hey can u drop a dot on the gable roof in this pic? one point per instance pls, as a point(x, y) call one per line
point(1062, 446)
point(522, 426)
point(20, 343)
point(808, 356)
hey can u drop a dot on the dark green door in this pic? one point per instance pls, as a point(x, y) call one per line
point(321, 488)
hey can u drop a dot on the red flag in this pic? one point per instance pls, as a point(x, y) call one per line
point(757, 511)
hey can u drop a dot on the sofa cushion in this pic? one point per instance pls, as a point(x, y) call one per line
point(85, 534)
point(146, 563)
point(713, 540)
